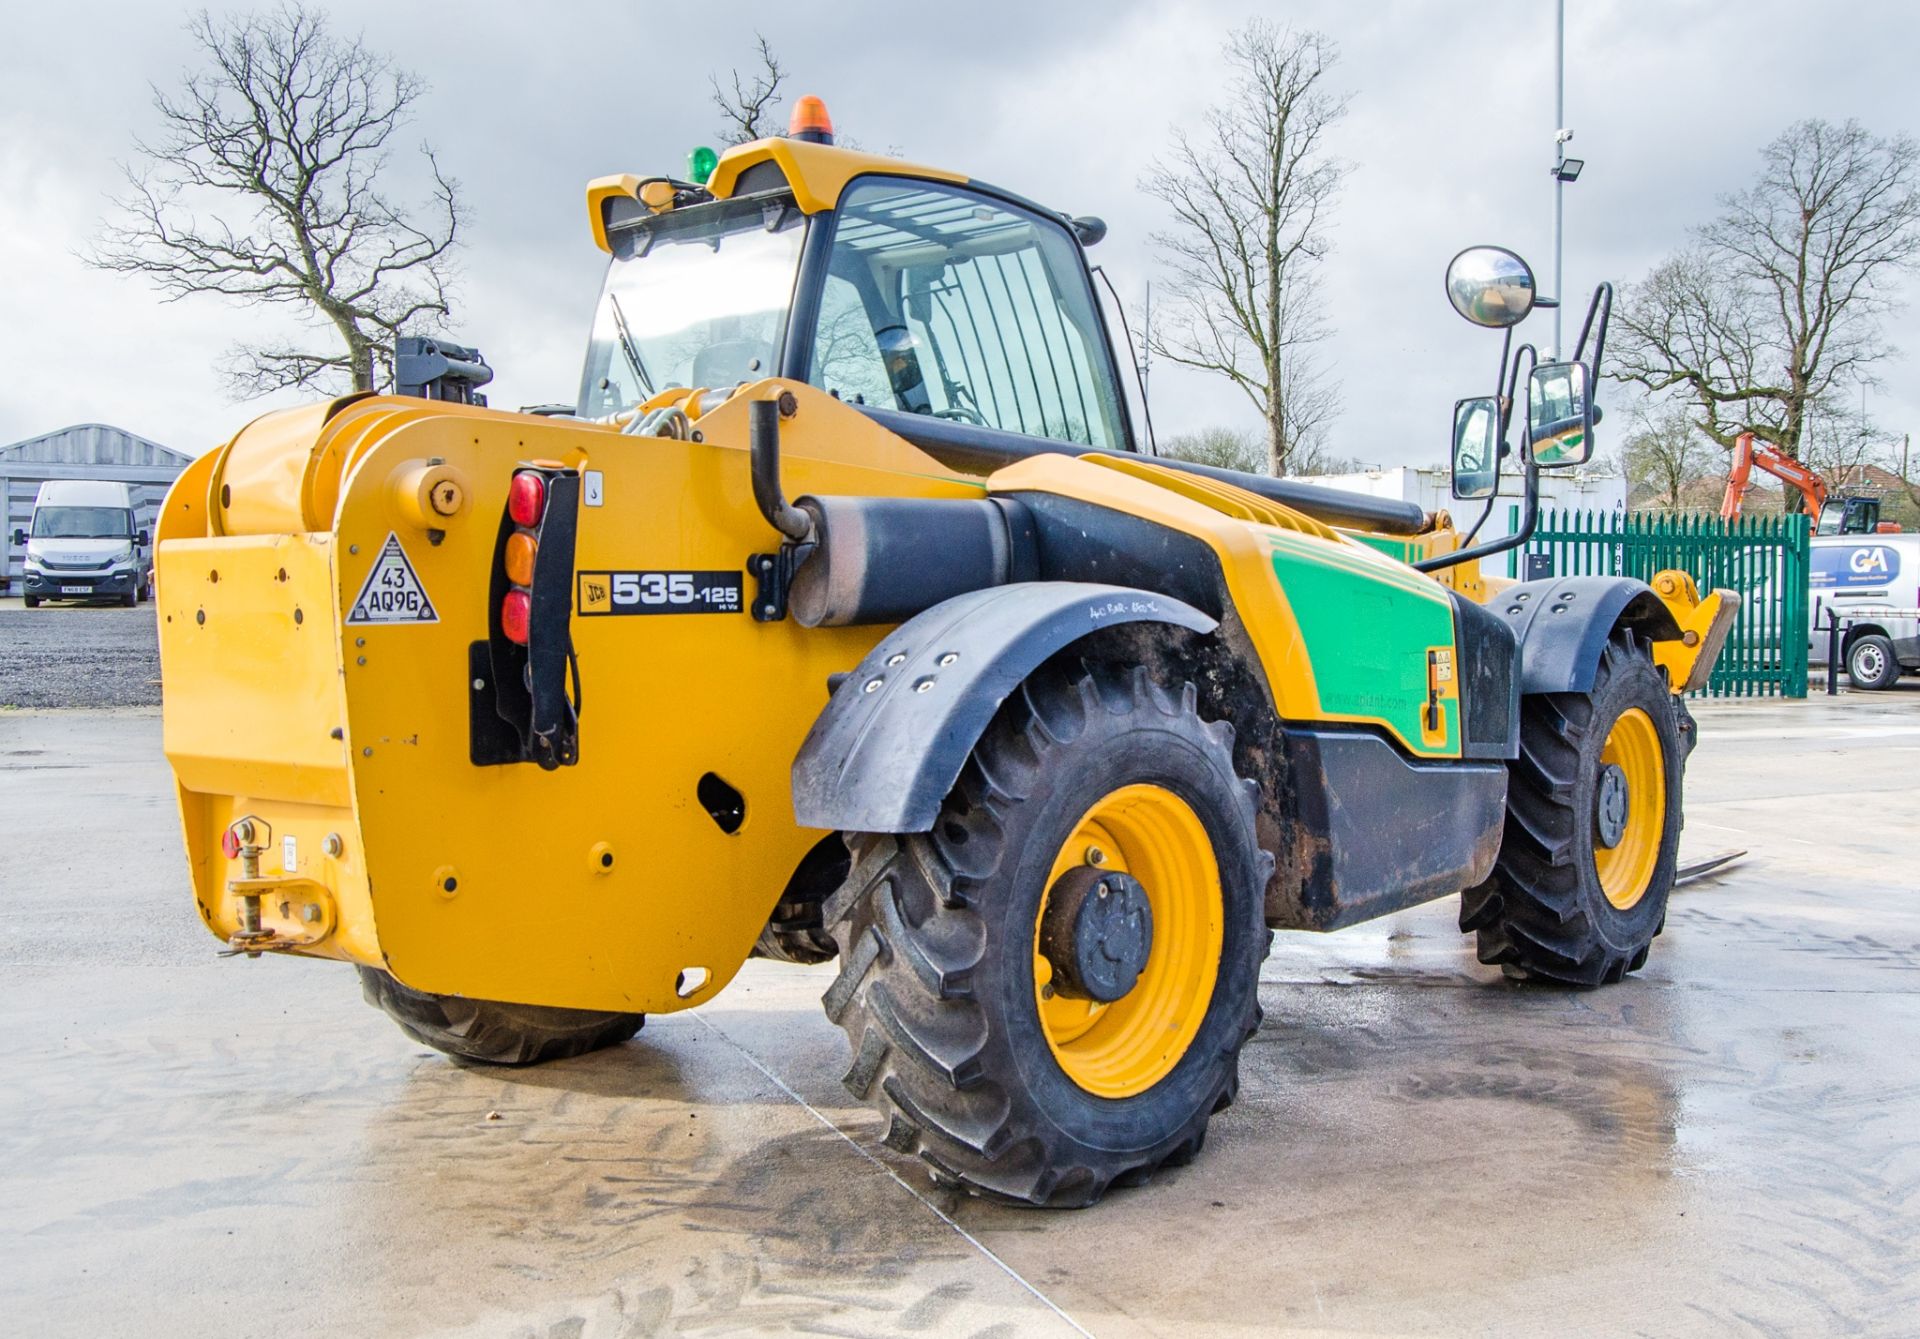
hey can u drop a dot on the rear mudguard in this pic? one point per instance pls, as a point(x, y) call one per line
point(891, 743)
point(1563, 625)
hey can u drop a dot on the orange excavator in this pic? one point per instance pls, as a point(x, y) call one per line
point(1833, 515)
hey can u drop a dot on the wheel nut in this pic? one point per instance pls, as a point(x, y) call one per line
point(1096, 856)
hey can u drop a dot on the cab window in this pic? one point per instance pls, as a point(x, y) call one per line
point(950, 304)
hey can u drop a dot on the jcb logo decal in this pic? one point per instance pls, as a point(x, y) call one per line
point(659, 592)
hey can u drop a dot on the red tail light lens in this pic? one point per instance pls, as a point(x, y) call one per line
point(514, 610)
point(527, 498)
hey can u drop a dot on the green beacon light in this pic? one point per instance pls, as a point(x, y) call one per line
point(700, 164)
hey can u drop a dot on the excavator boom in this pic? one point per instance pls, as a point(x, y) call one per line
point(1747, 452)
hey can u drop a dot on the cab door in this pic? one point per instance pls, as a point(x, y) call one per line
point(966, 306)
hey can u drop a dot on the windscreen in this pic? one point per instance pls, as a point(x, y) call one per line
point(695, 297)
point(82, 523)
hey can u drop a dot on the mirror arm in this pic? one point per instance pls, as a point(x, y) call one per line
point(1506, 348)
point(1532, 357)
point(1529, 517)
point(1530, 505)
point(1485, 512)
point(1601, 306)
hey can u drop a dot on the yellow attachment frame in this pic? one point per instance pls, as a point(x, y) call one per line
point(1704, 623)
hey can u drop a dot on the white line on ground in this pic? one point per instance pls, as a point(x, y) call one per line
point(1815, 732)
point(897, 1179)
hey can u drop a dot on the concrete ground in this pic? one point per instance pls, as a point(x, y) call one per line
point(1728, 1143)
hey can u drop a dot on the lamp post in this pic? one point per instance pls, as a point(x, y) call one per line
point(1560, 137)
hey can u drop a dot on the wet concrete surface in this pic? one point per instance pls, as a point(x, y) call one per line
point(1727, 1144)
point(78, 655)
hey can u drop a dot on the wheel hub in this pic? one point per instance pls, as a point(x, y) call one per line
point(1611, 806)
point(1097, 933)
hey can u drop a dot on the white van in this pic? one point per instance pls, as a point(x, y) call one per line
point(84, 544)
point(1876, 580)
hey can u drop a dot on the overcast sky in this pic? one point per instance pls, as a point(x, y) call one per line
point(1449, 134)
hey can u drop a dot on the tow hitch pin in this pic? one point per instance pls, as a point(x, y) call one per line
point(239, 840)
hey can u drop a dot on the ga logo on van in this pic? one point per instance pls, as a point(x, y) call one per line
point(1854, 565)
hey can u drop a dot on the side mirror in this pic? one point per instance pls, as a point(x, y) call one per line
point(20, 536)
point(1560, 415)
point(144, 539)
point(1490, 286)
point(1476, 448)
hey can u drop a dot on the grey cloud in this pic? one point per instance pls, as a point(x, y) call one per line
point(1449, 134)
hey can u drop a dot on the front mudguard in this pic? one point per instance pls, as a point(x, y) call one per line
point(896, 732)
point(1563, 625)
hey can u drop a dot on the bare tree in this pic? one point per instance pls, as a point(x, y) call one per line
point(1777, 304)
point(750, 107)
point(1248, 195)
point(1841, 442)
point(1312, 456)
point(1224, 448)
point(1667, 453)
point(1246, 451)
point(265, 185)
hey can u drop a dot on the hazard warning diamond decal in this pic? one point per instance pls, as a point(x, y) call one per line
point(392, 592)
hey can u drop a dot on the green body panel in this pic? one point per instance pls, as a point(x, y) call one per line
point(1394, 548)
point(1368, 625)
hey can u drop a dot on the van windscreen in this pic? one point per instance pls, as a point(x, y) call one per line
point(82, 523)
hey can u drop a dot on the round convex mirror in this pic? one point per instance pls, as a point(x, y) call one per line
point(1490, 286)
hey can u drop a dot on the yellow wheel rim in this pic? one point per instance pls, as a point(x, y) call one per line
point(1124, 1048)
point(1626, 869)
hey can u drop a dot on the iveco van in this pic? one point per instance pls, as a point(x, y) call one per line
point(84, 544)
point(1873, 583)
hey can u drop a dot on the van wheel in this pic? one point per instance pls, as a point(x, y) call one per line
point(1579, 890)
point(1871, 663)
point(491, 1032)
point(130, 599)
point(1047, 994)
point(31, 601)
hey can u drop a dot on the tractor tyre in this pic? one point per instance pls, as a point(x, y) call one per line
point(1872, 664)
point(1047, 994)
point(1593, 827)
point(492, 1032)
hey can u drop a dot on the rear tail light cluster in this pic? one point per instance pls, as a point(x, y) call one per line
point(526, 508)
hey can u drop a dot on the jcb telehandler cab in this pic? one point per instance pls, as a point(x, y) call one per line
point(848, 619)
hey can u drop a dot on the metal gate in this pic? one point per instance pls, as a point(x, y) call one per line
point(1762, 558)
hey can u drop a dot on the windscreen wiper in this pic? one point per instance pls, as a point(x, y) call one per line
point(628, 347)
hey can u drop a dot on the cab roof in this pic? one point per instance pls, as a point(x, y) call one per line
point(815, 173)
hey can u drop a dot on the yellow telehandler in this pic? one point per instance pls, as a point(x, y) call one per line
point(847, 615)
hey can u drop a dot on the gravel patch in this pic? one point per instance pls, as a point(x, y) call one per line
point(78, 656)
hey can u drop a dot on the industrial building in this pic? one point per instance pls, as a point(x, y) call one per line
point(84, 451)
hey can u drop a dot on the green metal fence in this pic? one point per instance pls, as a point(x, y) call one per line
point(1762, 558)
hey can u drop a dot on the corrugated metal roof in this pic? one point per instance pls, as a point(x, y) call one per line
point(93, 444)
